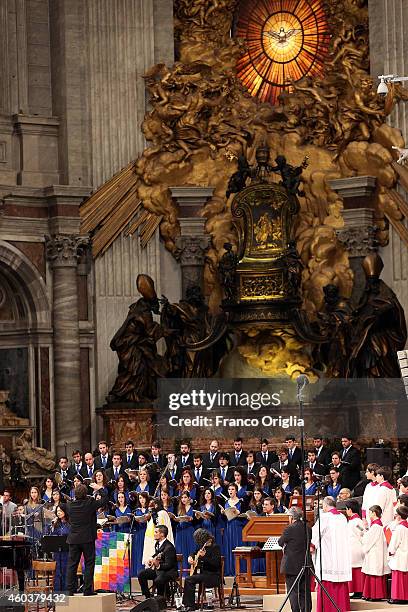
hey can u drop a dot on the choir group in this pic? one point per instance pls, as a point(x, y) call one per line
point(218, 491)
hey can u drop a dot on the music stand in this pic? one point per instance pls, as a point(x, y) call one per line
point(55, 544)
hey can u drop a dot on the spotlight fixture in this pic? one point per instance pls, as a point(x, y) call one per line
point(385, 80)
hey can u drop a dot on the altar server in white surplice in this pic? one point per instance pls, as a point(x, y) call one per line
point(356, 531)
point(336, 557)
point(370, 490)
point(385, 495)
point(398, 561)
point(375, 565)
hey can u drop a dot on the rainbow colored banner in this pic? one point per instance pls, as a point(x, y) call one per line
point(112, 562)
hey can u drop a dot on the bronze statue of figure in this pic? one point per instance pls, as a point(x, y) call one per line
point(238, 180)
point(380, 330)
point(291, 175)
point(227, 268)
point(335, 325)
point(135, 344)
point(294, 267)
point(196, 350)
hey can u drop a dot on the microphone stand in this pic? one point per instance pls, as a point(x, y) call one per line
point(129, 556)
point(307, 570)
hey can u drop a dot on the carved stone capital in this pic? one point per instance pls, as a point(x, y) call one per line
point(191, 250)
point(65, 250)
point(358, 240)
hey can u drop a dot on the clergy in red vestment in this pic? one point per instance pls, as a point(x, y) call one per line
point(335, 568)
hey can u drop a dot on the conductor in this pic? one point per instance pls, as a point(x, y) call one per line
point(82, 511)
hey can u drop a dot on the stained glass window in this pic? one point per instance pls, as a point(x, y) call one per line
point(286, 40)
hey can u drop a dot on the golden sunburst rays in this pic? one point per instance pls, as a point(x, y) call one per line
point(286, 40)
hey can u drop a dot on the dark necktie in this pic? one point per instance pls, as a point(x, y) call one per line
point(184, 461)
point(290, 454)
point(116, 473)
point(223, 473)
point(129, 458)
point(264, 456)
point(236, 457)
point(104, 462)
point(211, 457)
point(78, 468)
point(197, 475)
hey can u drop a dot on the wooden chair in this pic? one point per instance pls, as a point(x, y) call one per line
point(174, 584)
point(42, 581)
point(218, 590)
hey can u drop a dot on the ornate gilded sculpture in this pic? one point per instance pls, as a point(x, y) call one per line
point(135, 344)
point(267, 279)
point(33, 459)
point(201, 119)
point(199, 340)
point(380, 328)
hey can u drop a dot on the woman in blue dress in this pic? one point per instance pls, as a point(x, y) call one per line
point(121, 487)
point(164, 486)
point(167, 501)
point(262, 481)
point(99, 478)
point(187, 485)
point(280, 507)
point(216, 484)
point(75, 482)
point(34, 517)
point(184, 531)
point(48, 488)
point(122, 510)
point(241, 482)
point(334, 487)
point(61, 527)
point(143, 486)
point(233, 530)
point(209, 504)
point(256, 501)
point(138, 533)
point(310, 482)
point(286, 484)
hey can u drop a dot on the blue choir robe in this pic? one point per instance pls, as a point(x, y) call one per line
point(61, 558)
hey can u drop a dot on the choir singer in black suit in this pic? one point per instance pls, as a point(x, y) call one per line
point(208, 556)
point(82, 515)
point(162, 567)
point(295, 541)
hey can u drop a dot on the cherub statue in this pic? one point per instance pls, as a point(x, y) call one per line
point(291, 176)
point(238, 180)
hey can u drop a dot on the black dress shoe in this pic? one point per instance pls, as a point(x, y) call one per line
point(90, 594)
point(396, 601)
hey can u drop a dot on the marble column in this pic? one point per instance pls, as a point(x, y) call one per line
point(63, 252)
point(358, 234)
point(193, 242)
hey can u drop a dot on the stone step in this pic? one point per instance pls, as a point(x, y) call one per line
point(102, 602)
point(272, 603)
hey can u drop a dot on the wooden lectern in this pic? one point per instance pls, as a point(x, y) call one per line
point(259, 529)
